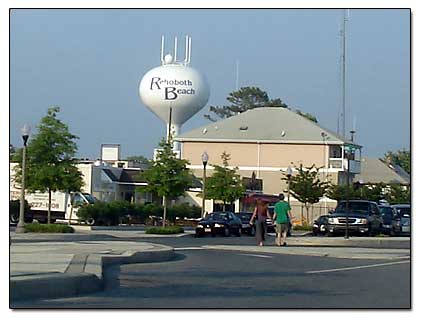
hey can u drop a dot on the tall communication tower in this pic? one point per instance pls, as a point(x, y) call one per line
point(342, 115)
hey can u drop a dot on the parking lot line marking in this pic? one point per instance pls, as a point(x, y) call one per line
point(189, 248)
point(355, 267)
point(257, 255)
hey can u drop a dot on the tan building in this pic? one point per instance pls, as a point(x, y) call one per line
point(266, 141)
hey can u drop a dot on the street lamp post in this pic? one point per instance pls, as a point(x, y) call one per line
point(289, 173)
point(347, 196)
point(20, 228)
point(204, 158)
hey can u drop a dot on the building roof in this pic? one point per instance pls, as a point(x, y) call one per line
point(265, 124)
point(375, 170)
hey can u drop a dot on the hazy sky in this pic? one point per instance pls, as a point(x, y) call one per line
point(90, 62)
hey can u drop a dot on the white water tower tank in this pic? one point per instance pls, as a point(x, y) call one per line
point(174, 85)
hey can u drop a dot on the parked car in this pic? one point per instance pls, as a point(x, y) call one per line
point(364, 217)
point(320, 225)
point(387, 214)
point(223, 223)
point(401, 220)
point(245, 217)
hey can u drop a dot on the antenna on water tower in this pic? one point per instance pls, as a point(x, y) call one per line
point(174, 91)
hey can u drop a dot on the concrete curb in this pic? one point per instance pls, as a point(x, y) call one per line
point(91, 279)
point(53, 285)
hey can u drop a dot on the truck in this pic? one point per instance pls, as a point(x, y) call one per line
point(64, 205)
point(102, 182)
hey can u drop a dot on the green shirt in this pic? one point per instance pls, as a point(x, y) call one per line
point(281, 209)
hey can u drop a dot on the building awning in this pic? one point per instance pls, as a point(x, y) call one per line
point(267, 198)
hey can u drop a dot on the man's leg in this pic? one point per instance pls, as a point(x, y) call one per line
point(278, 235)
point(284, 236)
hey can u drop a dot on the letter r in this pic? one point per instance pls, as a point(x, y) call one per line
point(155, 81)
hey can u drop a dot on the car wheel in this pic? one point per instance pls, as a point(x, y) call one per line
point(14, 218)
point(90, 221)
point(239, 232)
point(252, 231)
point(330, 234)
point(226, 231)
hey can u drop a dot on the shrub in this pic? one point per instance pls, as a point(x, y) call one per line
point(48, 228)
point(183, 210)
point(304, 227)
point(117, 212)
point(165, 230)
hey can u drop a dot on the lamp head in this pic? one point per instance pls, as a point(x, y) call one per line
point(289, 172)
point(26, 131)
point(204, 157)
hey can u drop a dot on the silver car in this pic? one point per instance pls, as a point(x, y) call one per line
point(401, 220)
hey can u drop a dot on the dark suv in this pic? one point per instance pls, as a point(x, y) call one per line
point(364, 217)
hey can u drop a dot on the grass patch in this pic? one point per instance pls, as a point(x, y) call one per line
point(304, 227)
point(48, 228)
point(165, 230)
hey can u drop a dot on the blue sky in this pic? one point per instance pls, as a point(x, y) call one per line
point(90, 62)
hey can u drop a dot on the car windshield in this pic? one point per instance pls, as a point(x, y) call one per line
point(356, 207)
point(89, 197)
point(244, 216)
point(403, 211)
point(386, 211)
point(216, 217)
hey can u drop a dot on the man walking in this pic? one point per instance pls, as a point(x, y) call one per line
point(281, 217)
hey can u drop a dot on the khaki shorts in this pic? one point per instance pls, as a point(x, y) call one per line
point(281, 227)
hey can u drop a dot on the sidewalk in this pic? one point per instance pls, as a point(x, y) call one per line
point(60, 269)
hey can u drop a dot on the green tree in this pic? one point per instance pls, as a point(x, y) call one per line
point(398, 194)
point(307, 115)
point(242, 100)
point(373, 192)
point(306, 187)
point(224, 184)
point(340, 192)
point(168, 176)
point(50, 163)
point(400, 158)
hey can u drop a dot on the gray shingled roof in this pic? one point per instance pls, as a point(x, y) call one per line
point(375, 171)
point(271, 124)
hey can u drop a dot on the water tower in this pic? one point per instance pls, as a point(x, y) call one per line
point(174, 91)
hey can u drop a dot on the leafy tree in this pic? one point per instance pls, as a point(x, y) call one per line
point(339, 192)
point(50, 159)
point(306, 187)
point(140, 159)
point(398, 194)
point(168, 176)
point(224, 184)
point(307, 115)
point(247, 98)
point(242, 100)
point(373, 192)
point(400, 158)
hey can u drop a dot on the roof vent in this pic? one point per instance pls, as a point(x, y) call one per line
point(283, 133)
point(243, 128)
point(204, 131)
